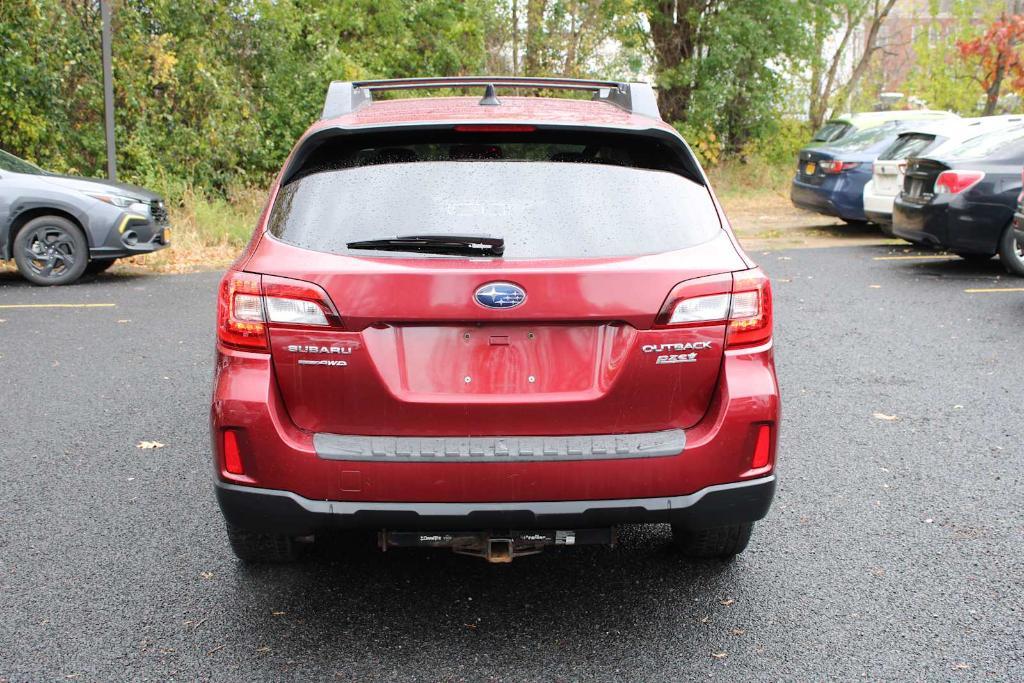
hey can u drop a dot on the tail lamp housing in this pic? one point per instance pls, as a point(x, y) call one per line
point(742, 301)
point(250, 303)
point(955, 182)
point(835, 166)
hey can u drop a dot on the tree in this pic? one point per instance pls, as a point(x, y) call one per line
point(722, 64)
point(828, 85)
point(997, 56)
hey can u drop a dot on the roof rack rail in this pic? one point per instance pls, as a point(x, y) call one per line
point(345, 97)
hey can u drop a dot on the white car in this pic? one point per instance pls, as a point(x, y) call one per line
point(929, 137)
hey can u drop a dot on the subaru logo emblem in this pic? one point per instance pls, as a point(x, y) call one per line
point(499, 295)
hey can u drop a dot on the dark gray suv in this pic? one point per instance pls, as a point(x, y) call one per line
point(58, 227)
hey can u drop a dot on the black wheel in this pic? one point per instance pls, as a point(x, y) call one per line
point(51, 250)
point(262, 548)
point(1011, 252)
point(722, 543)
point(99, 265)
point(975, 258)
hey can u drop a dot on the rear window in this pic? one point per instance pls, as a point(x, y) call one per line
point(907, 145)
point(833, 130)
point(1000, 144)
point(549, 199)
point(864, 139)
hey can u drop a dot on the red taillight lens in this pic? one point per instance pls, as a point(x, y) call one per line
point(698, 301)
point(955, 182)
point(232, 454)
point(762, 448)
point(240, 322)
point(249, 303)
point(834, 166)
point(747, 308)
point(750, 320)
point(294, 302)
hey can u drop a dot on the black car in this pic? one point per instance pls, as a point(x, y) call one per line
point(965, 200)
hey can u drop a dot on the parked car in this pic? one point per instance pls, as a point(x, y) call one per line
point(964, 200)
point(57, 227)
point(444, 332)
point(837, 129)
point(926, 138)
point(830, 180)
point(1018, 215)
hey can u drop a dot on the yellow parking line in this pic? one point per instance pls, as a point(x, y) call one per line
point(994, 290)
point(57, 305)
point(942, 257)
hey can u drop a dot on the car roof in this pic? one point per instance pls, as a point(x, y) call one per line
point(869, 119)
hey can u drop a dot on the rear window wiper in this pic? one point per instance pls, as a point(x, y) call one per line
point(436, 244)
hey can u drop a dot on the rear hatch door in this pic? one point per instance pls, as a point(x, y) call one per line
point(593, 246)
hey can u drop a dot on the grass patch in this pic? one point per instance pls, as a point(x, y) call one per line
point(207, 231)
point(753, 181)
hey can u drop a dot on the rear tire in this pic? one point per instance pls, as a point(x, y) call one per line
point(50, 250)
point(722, 543)
point(1011, 252)
point(99, 265)
point(262, 548)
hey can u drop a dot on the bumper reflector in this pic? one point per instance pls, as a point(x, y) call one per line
point(762, 449)
point(232, 455)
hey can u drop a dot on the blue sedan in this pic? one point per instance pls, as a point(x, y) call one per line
point(831, 179)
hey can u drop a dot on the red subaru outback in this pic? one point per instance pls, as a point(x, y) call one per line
point(493, 324)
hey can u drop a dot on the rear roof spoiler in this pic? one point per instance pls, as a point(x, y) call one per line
point(345, 97)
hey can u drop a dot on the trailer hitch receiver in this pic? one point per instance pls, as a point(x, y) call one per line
point(497, 546)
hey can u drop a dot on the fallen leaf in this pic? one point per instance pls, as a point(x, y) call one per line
point(206, 575)
point(276, 614)
point(124, 321)
point(883, 416)
point(875, 286)
point(727, 601)
point(929, 520)
point(149, 444)
point(719, 655)
point(737, 631)
point(264, 648)
point(962, 666)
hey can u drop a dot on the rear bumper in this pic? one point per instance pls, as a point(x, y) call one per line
point(283, 512)
point(840, 196)
point(877, 207)
point(958, 224)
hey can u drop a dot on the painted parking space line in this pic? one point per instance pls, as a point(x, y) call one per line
point(994, 290)
point(922, 257)
point(12, 306)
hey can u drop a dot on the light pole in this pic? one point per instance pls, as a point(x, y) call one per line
point(108, 90)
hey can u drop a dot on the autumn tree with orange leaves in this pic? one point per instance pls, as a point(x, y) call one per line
point(998, 56)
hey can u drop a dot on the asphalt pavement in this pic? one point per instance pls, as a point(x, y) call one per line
point(894, 550)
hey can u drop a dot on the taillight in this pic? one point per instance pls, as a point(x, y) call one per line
point(249, 302)
point(955, 182)
point(750, 320)
point(834, 166)
point(743, 300)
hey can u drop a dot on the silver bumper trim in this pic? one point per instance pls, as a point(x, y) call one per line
point(499, 448)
